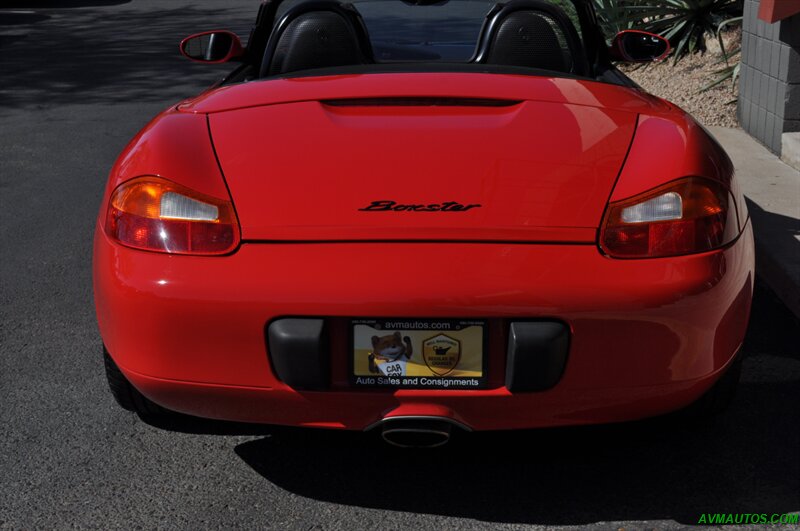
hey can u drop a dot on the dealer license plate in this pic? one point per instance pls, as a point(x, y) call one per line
point(419, 353)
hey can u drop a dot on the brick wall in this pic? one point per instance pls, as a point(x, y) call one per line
point(769, 86)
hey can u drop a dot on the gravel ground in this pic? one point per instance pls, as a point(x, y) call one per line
point(681, 83)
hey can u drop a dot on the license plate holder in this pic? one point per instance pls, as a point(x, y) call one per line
point(444, 353)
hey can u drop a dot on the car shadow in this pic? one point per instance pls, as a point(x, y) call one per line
point(744, 461)
point(660, 469)
point(781, 235)
point(197, 426)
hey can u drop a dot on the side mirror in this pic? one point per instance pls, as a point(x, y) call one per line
point(218, 46)
point(638, 46)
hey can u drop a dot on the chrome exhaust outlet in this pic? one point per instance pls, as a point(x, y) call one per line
point(416, 432)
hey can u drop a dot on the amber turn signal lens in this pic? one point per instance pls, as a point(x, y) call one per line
point(690, 215)
point(155, 214)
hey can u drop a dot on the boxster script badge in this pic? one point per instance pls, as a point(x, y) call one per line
point(393, 206)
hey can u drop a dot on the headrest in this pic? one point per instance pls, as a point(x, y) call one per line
point(316, 35)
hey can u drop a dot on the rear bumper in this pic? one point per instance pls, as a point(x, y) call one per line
point(647, 336)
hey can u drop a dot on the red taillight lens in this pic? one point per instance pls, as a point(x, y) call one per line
point(691, 215)
point(155, 214)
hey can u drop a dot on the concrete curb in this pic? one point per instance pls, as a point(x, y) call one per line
point(773, 192)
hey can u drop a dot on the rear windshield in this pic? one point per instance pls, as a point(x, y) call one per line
point(443, 32)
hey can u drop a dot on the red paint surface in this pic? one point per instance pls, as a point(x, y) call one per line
point(533, 182)
point(469, 85)
point(648, 336)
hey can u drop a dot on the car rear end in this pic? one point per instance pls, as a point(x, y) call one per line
point(554, 251)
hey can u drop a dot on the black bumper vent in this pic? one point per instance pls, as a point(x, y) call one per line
point(537, 355)
point(299, 352)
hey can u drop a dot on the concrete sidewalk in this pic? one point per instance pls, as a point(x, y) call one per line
point(773, 192)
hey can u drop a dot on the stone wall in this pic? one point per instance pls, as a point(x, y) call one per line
point(769, 86)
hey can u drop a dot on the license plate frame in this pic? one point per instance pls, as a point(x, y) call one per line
point(447, 354)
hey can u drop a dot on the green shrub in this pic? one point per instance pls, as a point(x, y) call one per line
point(615, 17)
point(731, 58)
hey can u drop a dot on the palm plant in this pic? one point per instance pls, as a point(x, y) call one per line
point(614, 15)
point(731, 69)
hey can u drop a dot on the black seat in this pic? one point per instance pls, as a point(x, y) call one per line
point(316, 35)
point(533, 34)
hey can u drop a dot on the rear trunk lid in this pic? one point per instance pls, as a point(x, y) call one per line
point(415, 160)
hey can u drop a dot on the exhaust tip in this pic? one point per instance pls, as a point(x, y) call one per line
point(416, 432)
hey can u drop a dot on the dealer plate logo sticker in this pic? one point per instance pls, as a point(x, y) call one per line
point(442, 354)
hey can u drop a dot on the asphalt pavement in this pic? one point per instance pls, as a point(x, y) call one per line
point(76, 83)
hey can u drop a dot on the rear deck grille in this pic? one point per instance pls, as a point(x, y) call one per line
point(420, 102)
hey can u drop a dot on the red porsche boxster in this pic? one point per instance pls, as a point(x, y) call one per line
point(423, 215)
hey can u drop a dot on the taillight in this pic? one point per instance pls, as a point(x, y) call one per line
point(691, 215)
point(155, 214)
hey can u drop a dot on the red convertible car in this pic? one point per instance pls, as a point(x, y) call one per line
point(421, 216)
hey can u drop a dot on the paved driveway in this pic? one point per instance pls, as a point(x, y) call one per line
point(75, 84)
